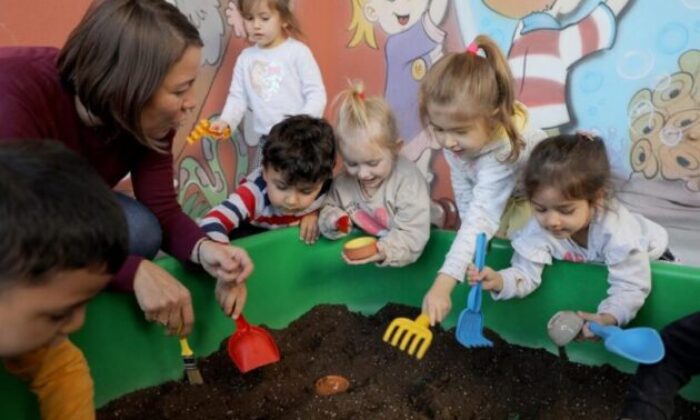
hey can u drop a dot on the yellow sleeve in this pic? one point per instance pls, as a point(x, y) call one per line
point(60, 378)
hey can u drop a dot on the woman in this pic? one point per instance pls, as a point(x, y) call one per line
point(115, 93)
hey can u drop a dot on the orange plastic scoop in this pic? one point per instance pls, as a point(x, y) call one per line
point(251, 347)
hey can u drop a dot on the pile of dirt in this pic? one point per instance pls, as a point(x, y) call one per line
point(451, 382)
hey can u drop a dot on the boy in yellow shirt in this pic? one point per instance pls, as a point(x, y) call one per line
point(62, 237)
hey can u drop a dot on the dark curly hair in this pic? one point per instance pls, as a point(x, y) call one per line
point(575, 164)
point(56, 214)
point(302, 149)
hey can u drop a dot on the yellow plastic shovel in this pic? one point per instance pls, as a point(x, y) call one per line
point(404, 331)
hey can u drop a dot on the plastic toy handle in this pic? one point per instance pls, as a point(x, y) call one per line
point(423, 320)
point(242, 324)
point(185, 350)
point(480, 251)
point(474, 297)
point(602, 331)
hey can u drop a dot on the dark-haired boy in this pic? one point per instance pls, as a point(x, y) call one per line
point(62, 237)
point(289, 188)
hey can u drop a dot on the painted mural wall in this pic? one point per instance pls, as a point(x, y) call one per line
point(628, 70)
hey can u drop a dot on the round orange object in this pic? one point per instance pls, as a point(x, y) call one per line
point(360, 248)
point(331, 385)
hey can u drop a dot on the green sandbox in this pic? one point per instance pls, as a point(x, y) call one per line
point(126, 353)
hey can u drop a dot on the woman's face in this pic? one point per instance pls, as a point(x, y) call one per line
point(174, 99)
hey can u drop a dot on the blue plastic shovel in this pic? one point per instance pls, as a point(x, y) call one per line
point(641, 344)
point(470, 325)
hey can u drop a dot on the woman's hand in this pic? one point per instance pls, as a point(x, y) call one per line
point(163, 299)
point(490, 279)
point(308, 228)
point(437, 302)
point(602, 319)
point(231, 297)
point(223, 261)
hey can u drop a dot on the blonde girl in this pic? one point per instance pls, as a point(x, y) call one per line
point(380, 192)
point(468, 103)
point(567, 181)
point(275, 78)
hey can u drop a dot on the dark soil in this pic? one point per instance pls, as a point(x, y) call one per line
point(451, 382)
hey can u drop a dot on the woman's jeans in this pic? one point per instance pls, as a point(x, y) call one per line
point(145, 234)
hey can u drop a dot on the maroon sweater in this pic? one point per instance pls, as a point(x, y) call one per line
point(34, 104)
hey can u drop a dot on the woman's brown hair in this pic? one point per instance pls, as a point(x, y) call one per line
point(474, 86)
point(576, 165)
point(283, 7)
point(118, 56)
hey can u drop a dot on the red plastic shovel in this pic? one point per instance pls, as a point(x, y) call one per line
point(251, 347)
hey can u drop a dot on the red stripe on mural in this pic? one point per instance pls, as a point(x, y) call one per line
point(539, 92)
point(590, 36)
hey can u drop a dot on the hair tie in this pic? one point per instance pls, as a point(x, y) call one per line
point(473, 48)
point(361, 95)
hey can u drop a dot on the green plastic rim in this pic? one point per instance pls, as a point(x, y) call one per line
point(127, 353)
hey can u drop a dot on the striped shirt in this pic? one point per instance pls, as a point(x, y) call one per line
point(251, 203)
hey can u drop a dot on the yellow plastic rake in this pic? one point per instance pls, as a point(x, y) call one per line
point(202, 130)
point(404, 331)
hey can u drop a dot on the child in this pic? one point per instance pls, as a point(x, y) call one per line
point(567, 181)
point(276, 77)
point(467, 101)
point(289, 188)
point(62, 237)
point(654, 387)
point(382, 193)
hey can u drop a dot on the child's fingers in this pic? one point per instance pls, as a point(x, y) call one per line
point(432, 314)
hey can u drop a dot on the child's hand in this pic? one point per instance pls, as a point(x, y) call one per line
point(378, 257)
point(218, 127)
point(490, 279)
point(308, 228)
point(437, 302)
point(602, 319)
point(231, 297)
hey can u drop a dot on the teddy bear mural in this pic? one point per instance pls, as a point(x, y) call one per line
point(665, 126)
point(664, 130)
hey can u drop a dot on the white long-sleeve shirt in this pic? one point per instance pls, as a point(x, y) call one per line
point(274, 83)
point(622, 240)
point(482, 185)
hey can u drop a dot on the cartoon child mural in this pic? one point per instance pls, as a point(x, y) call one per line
point(548, 41)
point(206, 16)
point(413, 44)
point(664, 128)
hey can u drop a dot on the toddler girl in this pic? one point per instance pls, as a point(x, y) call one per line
point(275, 78)
point(567, 182)
point(467, 102)
point(382, 193)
